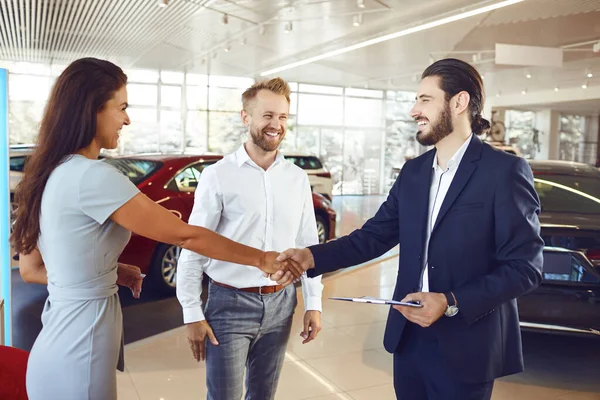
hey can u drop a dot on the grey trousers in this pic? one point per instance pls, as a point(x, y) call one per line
point(252, 331)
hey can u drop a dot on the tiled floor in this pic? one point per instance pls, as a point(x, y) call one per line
point(346, 362)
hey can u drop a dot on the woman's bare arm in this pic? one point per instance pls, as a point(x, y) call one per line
point(32, 268)
point(146, 218)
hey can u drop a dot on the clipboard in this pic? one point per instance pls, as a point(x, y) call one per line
point(373, 300)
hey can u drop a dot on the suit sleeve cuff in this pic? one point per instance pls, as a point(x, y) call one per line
point(193, 314)
point(313, 303)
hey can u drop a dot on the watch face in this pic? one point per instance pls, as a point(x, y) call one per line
point(451, 311)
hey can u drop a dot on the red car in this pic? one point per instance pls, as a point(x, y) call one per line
point(170, 180)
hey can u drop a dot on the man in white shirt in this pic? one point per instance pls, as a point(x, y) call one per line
point(255, 197)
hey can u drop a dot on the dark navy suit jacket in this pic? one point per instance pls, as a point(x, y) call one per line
point(485, 247)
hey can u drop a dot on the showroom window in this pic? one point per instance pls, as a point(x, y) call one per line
point(572, 142)
point(521, 134)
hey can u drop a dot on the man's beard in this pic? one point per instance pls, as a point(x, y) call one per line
point(258, 138)
point(442, 128)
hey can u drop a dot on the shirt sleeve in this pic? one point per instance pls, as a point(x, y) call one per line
point(190, 267)
point(312, 289)
point(103, 190)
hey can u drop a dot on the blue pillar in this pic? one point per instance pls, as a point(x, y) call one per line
point(4, 208)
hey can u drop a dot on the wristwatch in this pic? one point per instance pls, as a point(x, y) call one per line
point(452, 308)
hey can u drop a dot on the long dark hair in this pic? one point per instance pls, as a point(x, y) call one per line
point(68, 125)
point(457, 76)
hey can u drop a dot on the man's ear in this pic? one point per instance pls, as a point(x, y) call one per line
point(461, 102)
point(245, 117)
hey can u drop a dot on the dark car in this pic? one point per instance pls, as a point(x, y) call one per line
point(170, 180)
point(568, 300)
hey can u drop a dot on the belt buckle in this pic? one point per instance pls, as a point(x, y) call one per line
point(260, 293)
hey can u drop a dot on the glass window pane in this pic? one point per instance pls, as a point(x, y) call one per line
point(170, 96)
point(171, 132)
point(142, 75)
point(363, 112)
point(519, 126)
point(572, 139)
point(320, 89)
point(374, 94)
point(196, 79)
point(142, 95)
point(307, 140)
point(226, 132)
point(142, 135)
point(293, 86)
point(29, 87)
point(196, 97)
point(362, 155)
point(332, 156)
point(230, 82)
point(24, 121)
point(320, 110)
point(288, 144)
point(222, 99)
point(400, 146)
point(293, 103)
point(171, 77)
point(398, 108)
point(195, 132)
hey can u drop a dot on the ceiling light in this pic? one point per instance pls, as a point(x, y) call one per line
point(360, 3)
point(498, 94)
point(584, 86)
point(589, 74)
point(226, 49)
point(163, 3)
point(528, 75)
point(225, 19)
point(404, 32)
point(357, 20)
point(556, 89)
point(524, 91)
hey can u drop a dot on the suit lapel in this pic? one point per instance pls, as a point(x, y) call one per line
point(463, 174)
point(422, 188)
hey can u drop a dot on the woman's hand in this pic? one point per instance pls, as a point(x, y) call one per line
point(130, 276)
point(270, 265)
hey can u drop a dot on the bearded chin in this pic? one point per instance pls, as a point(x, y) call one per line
point(258, 139)
point(442, 128)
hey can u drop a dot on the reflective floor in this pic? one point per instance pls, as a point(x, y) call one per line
point(347, 360)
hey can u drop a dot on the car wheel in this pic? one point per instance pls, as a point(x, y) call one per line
point(163, 271)
point(322, 229)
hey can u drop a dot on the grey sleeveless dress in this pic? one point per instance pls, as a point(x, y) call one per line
point(75, 355)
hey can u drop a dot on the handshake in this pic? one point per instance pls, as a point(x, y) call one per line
point(287, 267)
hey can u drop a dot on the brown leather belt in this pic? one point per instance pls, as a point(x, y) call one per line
point(259, 289)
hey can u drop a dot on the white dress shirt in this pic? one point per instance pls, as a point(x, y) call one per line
point(440, 183)
point(270, 210)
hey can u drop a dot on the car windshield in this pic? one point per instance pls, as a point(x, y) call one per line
point(568, 193)
point(305, 162)
point(135, 169)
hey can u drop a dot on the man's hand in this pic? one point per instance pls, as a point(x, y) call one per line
point(302, 258)
point(271, 265)
point(197, 333)
point(434, 306)
point(312, 326)
point(131, 277)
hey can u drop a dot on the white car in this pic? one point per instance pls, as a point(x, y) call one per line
point(318, 176)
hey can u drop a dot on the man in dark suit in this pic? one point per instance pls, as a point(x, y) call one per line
point(466, 218)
